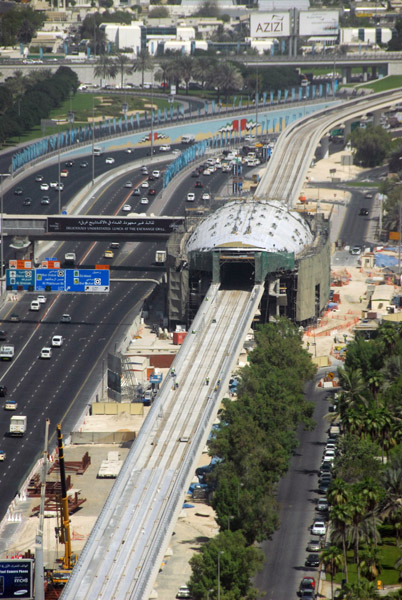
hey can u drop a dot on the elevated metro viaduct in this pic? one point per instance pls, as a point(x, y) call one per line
point(245, 243)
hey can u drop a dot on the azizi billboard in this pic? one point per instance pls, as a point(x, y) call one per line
point(269, 25)
point(319, 22)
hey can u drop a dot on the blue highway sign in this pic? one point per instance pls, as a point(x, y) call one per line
point(20, 279)
point(50, 280)
point(87, 280)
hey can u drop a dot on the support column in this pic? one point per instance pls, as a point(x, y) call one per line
point(365, 76)
point(374, 71)
point(324, 142)
point(347, 131)
point(376, 118)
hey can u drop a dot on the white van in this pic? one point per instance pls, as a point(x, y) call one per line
point(35, 305)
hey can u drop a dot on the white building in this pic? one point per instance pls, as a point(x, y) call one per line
point(349, 36)
point(124, 36)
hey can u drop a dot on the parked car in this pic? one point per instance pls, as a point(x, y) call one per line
point(314, 546)
point(318, 528)
point(313, 560)
point(355, 250)
point(322, 505)
point(3, 334)
point(307, 583)
point(183, 592)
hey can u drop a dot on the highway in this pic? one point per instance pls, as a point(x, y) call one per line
point(122, 556)
point(285, 173)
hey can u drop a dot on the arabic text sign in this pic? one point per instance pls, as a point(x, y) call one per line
point(112, 224)
point(20, 278)
point(269, 24)
point(319, 22)
point(16, 578)
point(53, 280)
point(87, 280)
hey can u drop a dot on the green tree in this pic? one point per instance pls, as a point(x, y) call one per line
point(124, 66)
point(226, 77)
point(105, 68)
point(143, 62)
point(161, 12)
point(237, 561)
point(340, 521)
point(371, 145)
point(370, 563)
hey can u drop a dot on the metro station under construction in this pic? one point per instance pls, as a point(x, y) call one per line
point(245, 242)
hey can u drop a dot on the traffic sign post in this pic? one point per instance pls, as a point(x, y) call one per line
point(87, 280)
point(59, 280)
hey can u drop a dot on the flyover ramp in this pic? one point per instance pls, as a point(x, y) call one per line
point(123, 554)
point(285, 173)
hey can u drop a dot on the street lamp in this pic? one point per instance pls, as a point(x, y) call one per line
point(219, 573)
point(2, 175)
point(210, 592)
point(93, 141)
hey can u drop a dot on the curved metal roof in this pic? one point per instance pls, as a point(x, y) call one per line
point(253, 225)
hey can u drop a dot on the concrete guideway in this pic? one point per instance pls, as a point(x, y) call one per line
point(125, 549)
point(285, 173)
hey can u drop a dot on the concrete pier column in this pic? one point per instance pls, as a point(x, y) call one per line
point(324, 142)
point(365, 76)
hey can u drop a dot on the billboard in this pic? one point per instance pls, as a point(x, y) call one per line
point(269, 24)
point(16, 578)
point(319, 22)
point(148, 225)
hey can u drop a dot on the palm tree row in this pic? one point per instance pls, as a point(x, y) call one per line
point(369, 410)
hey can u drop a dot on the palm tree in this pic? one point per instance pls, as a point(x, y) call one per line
point(357, 508)
point(143, 62)
point(391, 479)
point(202, 66)
point(105, 67)
point(333, 560)
point(365, 590)
point(226, 77)
point(124, 66)
point(339, 492)
point(354, 389)
point(370, 563)
point(340, 520)
point(185, 69)
point(372, 493)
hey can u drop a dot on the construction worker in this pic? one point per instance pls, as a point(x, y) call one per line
point(207, 380)
point(173, 372)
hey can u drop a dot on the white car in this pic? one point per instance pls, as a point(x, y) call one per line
point(44, 187)
point(207, 172)
point(46, 352)
point(145, 185)
point(128, 184)
point(54, 184)
point(318, 528)
point(109, 160)
point(164, 148)
point(59, 186)
point(206, 196)
point(57, 341)
point(42, 299)
point(156, 174)
point(126, 208)
point(190, 197)
point(144, 201)
point(10, 405)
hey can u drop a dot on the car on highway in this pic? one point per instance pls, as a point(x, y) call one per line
point(27, 202)
point(66, 318)
point(83, 164)
point(39, 178)
point(15, 318)
point(45, 200)
point(126, 208)
point(69, 163)
point(199, 184)
point(2, 456)
point(312, 560)
point(151, 192)
point(195, 174)
point(18, 191)
point(3, 391)
point(109, 160)
point(41, 299)
point(164, 148)
point(314, 546)
point(318, 527)
point(190, 197)
point(355, 250)
point(44, 187)
point(59, 186)
point(156, 173)
point(108, 254)
point(3, 334)
point(368, 195)
point(114, 245)
point(144, 201)
point(128, 184)
point(151, 177)
point(144, 185)
point(144, 170)
point(10, 405)
point(363, 212)
point(136, 192)
point(322, 505)
point(53, 184)
point(64, 173)
point(57, 341)
point(206, 196)
point(46, 352)
point(207, 172)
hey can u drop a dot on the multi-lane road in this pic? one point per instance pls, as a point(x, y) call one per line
point(60, 388)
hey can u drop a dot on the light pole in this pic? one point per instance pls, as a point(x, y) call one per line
point(2, 175)
point(210, 592)
point(256, 105)
point(219, 573)
point(93, 141)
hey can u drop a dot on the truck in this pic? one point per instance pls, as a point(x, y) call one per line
point(188, 138)
point(160, 257)
point(70, 258)
point(18, 425)
point(6, 352)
